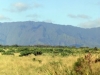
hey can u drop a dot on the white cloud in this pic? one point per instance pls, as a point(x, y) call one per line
point(20, 7)
point(49, 21)
point(82, 16)
point(91, 24)
point(4, 18)
point(72, 16)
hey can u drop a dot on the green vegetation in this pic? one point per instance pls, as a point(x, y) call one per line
point(49, 60)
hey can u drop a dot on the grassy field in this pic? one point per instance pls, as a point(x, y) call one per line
point(49, 61)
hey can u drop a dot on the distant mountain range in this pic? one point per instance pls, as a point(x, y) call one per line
point(34, 33)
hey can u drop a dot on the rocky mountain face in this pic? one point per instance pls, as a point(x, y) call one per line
point(33, 33)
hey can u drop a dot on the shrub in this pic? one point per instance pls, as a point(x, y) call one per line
point(86, 51)
point(78, 66)
point(40, 61)
point(2, 50)
point(25, 53)
point(64, 54)
point(7, 53)
point(12, 51)
point(68, 51)
point(83, 65)
point(34, 59)
point(60, 50)
point(15, 45)
point(22, 49)
point(95, 48)
point(97, 60)
point(37, 53)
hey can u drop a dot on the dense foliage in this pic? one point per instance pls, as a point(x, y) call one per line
point(40, 49)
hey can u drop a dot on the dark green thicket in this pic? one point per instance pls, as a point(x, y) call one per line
point(52, 50)
point(86, 51)
point(64, 54)
point(7, 53)
point(25, 53)
point(13, 51)
point(21, 49)
point(1, 50)
point(37, 53)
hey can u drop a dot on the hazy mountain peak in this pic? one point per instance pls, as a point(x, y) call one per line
point(32, 33)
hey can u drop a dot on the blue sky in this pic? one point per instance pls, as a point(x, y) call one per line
point(81, 13)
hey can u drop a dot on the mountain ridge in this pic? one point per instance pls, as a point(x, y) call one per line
point(33, 33)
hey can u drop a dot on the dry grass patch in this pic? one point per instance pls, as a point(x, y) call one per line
point(41, 65)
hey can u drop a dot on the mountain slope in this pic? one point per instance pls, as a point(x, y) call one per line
point(32, 33)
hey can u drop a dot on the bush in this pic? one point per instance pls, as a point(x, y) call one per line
point(7, 53)
point(12, 51)
point(22, 49)
point(95, 48)
point(86, 51)
point(40, 61)
point(83, 66)
point(64, 54)
point(2, 50)
point(59, 50)
point(15, 45)
point(34, 59)
point(25, 53)
point(37, 53)
point(97, 60)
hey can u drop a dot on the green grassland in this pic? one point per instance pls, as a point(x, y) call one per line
point(49, 60)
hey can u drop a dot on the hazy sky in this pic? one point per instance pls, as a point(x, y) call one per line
point(81, 13)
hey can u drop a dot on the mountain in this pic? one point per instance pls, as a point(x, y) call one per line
point(33, 33)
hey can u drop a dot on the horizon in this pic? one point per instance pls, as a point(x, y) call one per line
point(84, 14)
point(51, 23)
